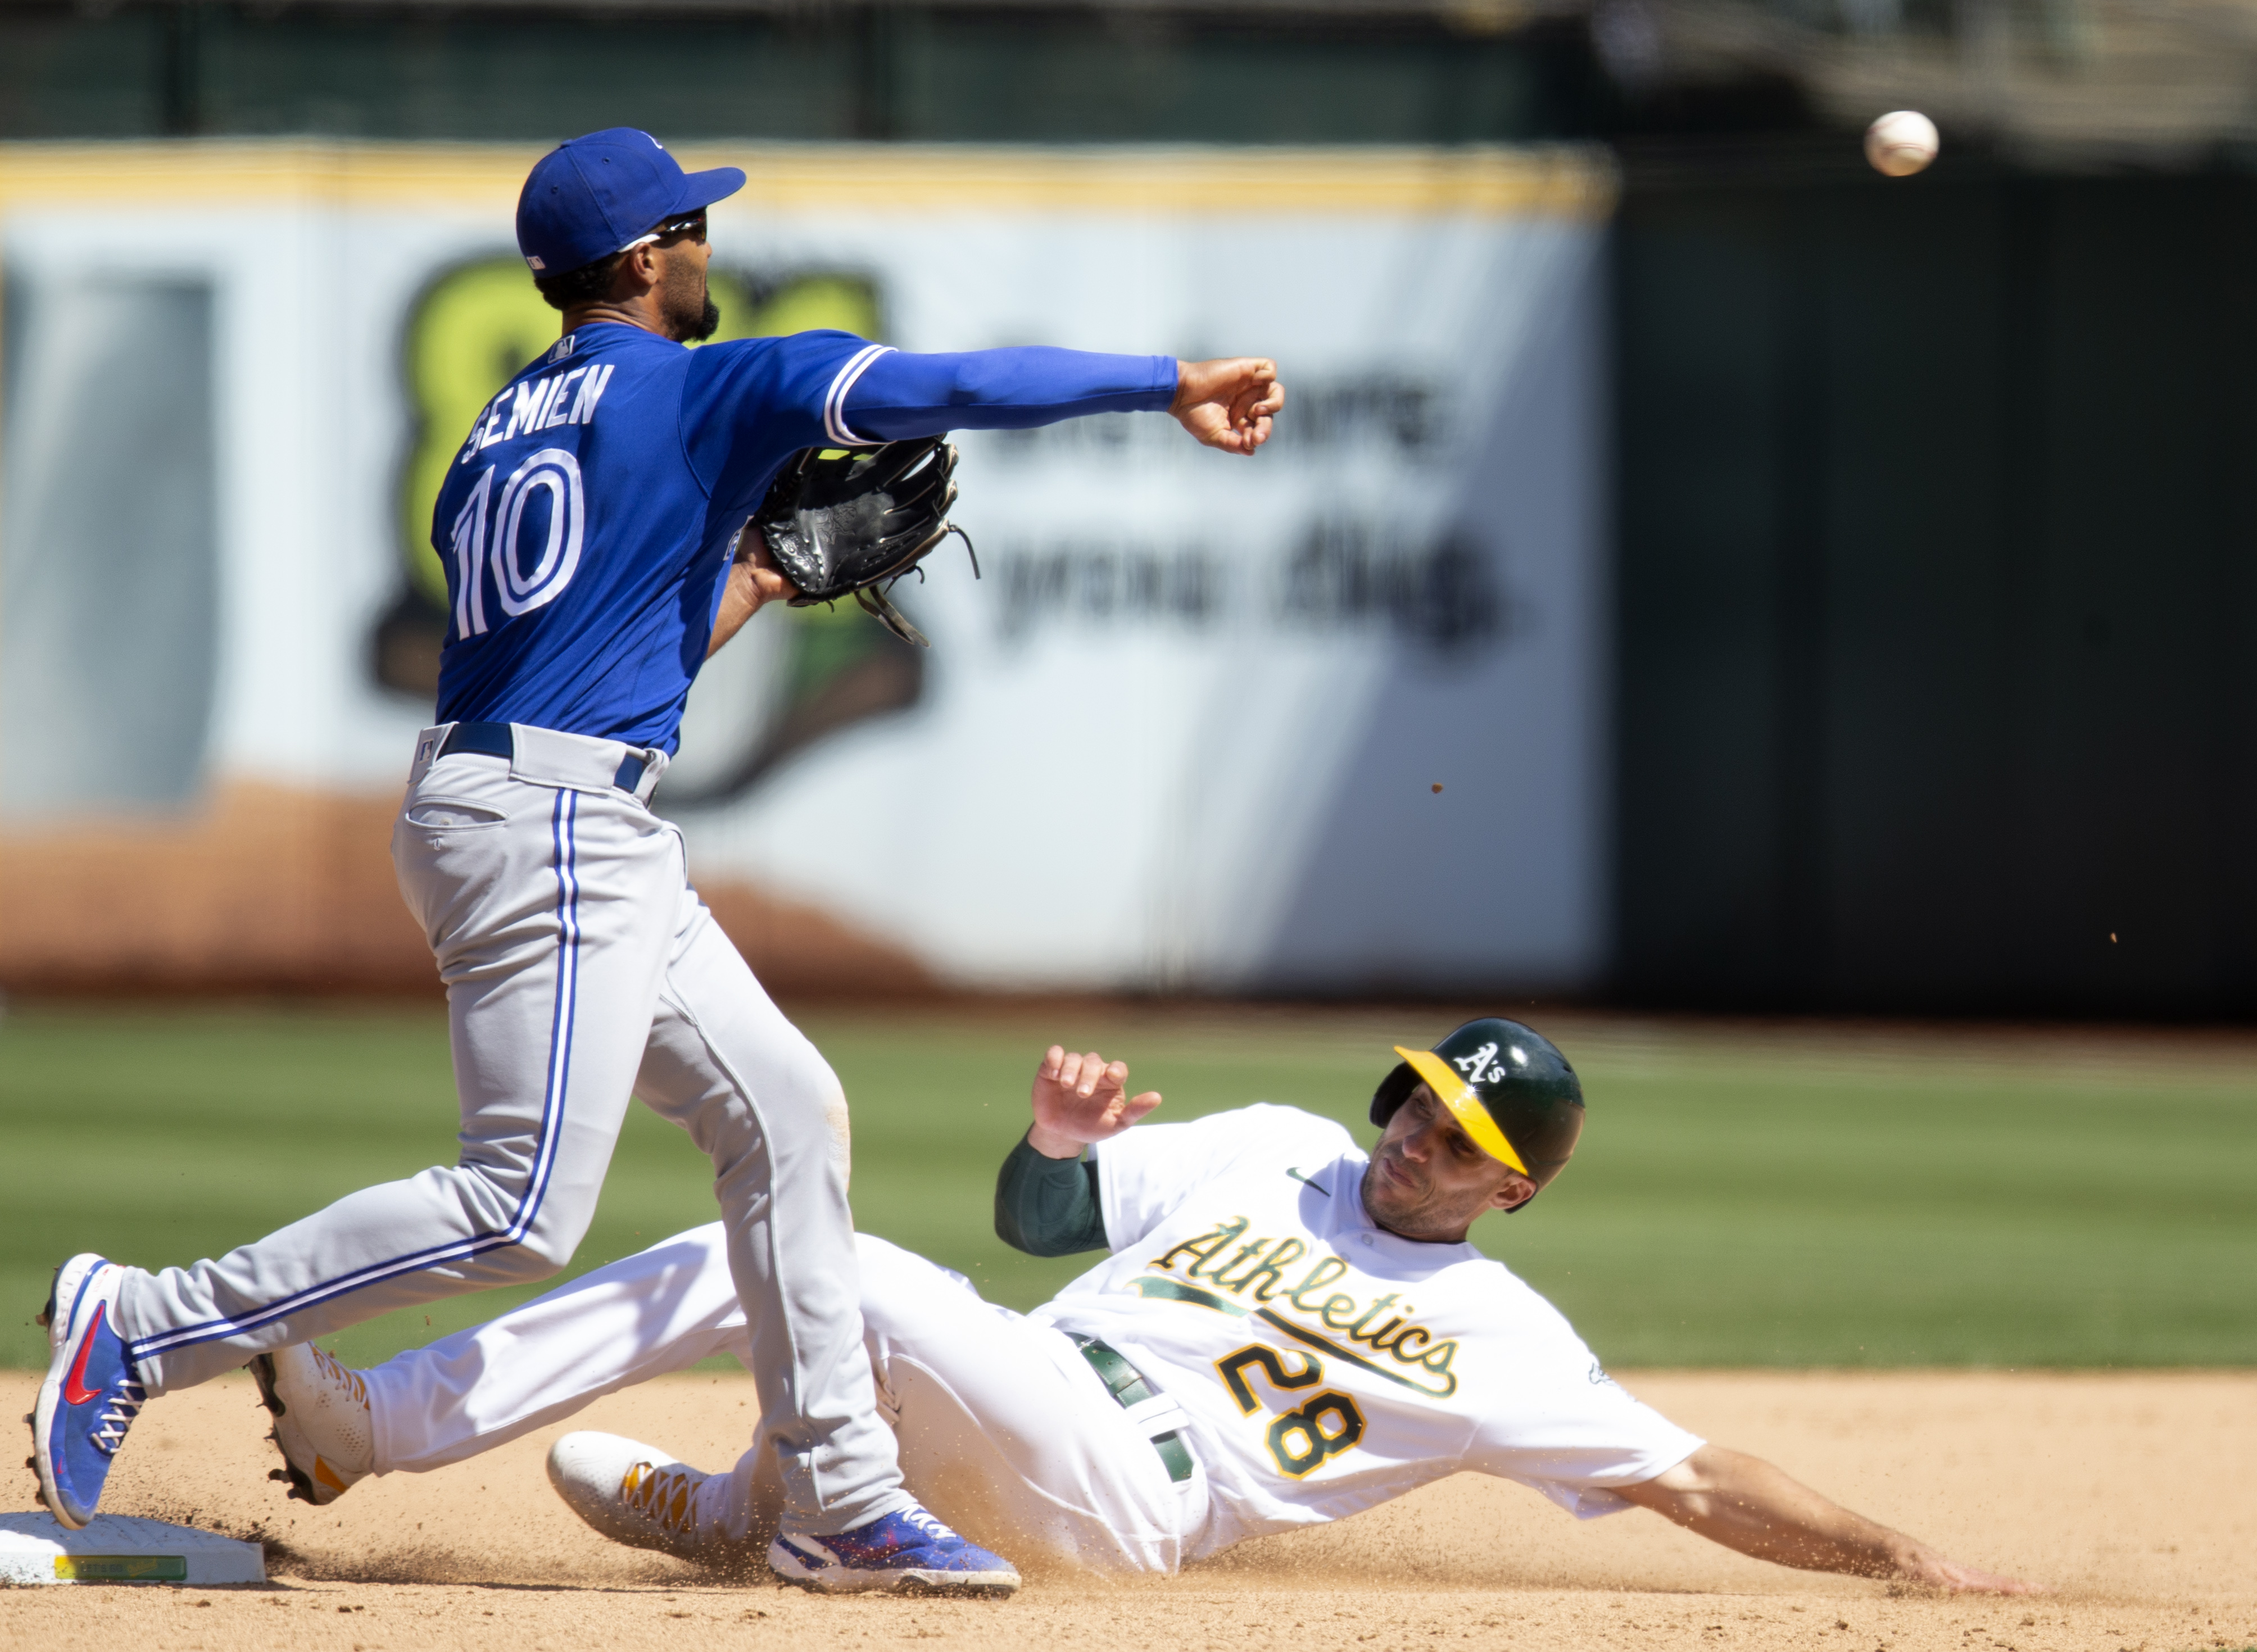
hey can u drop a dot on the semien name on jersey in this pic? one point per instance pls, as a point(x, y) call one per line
point(538, 403)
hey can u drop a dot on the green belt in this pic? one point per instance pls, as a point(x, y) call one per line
point(1126, 1384)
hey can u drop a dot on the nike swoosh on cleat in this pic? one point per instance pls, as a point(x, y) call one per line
point(75, 1389)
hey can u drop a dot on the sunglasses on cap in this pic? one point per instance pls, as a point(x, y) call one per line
point(691, 224)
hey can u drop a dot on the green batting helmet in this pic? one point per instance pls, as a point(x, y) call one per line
point(1507, 1086)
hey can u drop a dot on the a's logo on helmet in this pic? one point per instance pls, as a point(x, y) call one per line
point(1480, 1064)
point(1484, 1063)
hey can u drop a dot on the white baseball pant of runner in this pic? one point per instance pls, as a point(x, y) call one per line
point(1005, 1429)
point(581, 970)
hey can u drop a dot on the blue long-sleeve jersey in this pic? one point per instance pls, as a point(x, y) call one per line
point(587, 524)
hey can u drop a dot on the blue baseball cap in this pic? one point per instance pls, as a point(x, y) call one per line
point(592, 197)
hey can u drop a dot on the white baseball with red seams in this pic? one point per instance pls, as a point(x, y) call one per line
point(1901, 143)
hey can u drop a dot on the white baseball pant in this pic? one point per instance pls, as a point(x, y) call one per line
point(1005, 1430)
point(581, 969)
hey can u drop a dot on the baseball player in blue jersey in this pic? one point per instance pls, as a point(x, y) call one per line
point(589, 529)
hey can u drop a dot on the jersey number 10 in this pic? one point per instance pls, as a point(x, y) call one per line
point(488, 533)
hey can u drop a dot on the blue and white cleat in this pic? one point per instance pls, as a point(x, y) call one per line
point(92, 1392)
point(906, 1553)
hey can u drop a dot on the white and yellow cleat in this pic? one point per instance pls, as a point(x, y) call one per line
point(321, 1423)
point(636, 1494)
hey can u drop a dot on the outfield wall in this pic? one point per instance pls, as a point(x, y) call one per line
point(1184, 734)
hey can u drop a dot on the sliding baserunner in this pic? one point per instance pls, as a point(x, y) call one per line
point(1286, 1331)
point(590, 528)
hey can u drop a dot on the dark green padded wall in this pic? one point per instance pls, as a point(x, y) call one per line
point(1938, 599)
point(1052, 74)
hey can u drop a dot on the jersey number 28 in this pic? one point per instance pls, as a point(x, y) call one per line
point(1300, 1440)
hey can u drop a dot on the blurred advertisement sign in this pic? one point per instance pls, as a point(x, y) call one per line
point(1330, 719)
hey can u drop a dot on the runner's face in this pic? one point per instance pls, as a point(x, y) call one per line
point(1427, 1179)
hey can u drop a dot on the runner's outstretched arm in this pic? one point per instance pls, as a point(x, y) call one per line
point(1745, 1503)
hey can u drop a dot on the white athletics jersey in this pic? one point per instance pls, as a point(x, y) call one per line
point(1325, 1364)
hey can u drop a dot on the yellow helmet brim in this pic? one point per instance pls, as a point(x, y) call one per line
point(1458, 1096)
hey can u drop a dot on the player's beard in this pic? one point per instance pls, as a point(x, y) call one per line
point(686, 305)
point(1412, 1215)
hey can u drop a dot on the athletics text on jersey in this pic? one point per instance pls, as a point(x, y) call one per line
point(588, 517)
point(1326, 1364)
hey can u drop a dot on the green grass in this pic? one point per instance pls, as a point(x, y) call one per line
point(1743, 1197)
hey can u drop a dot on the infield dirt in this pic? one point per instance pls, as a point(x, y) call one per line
point(2135, 1496)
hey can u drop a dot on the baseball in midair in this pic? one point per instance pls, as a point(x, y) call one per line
point(1900, 144)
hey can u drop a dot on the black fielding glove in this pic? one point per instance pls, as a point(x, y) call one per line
point(851, 523)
